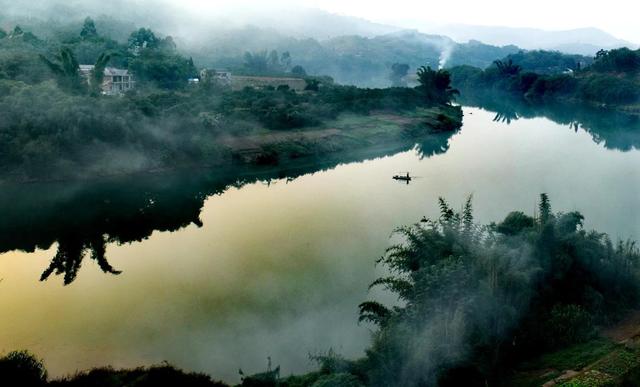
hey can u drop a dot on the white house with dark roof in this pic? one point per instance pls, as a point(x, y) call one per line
point(116, 81)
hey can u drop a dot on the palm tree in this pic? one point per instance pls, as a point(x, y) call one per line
point(435, 86)
point(97, 74)
point(66, 70)
point(72, 251)
point(508, 68)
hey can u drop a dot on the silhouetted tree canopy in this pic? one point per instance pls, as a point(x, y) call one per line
point(435, 85)
point(89, 30)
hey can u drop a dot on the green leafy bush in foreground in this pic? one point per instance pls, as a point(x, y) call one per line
point(475, 300)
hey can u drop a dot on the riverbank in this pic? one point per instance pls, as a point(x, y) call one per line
point(348, 133)
point(82, 211)
point(611, 82)
point(479, 96)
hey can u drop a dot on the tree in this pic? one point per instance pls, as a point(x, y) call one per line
point(478, 297)
point(258, 63)
point(71, 252)
point(21, 368)
point(163, 69)
point(274, 60)
point(398, 72)
point(89, 30)
point(97, 74)
point(168, 44)
point(508, 68)
point(515, 223)
point(622, 60)
point(435, 86)
point(142, 39)
point(299, 71)
point(312, 85)
point(545, 208)
point(17, 31)
point(285, 60)
point(66, 70)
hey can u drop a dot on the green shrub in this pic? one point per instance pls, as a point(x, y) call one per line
point(567, 325)
point(337, 380)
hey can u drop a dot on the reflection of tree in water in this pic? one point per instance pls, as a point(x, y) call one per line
point(612, 129)
point(434, 145)
point(82, 218)
point(71, 252)
point(575, 125)
point(506, 117)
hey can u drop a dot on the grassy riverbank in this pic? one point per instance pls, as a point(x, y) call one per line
point(52, 134)
point(347, 133)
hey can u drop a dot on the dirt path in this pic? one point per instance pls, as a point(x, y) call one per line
point(625, 330)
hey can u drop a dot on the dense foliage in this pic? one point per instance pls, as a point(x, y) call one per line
point(610, 80)
point(354, 60)
point(548, 62)
point(349, 59)
point(622, 60)
point(435, 86)
point(48, 126)
point(21, 368)
point(475, 300)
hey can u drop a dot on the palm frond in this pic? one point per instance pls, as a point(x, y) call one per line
point(373, 312)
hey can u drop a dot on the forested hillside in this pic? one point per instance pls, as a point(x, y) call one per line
point(611, 79)
point(55, 123)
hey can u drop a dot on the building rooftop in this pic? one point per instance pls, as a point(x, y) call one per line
point(110, 71)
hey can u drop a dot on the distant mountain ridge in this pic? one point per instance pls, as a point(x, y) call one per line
point(583, 41)
point(349, 49)
point(195, 24)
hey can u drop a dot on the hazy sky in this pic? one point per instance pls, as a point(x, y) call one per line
point(618, 17)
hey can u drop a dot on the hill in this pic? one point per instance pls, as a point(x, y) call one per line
point(583, 41)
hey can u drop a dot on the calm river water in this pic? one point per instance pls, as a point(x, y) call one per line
point(218, 282)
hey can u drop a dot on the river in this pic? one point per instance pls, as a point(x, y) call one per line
point(216, 279)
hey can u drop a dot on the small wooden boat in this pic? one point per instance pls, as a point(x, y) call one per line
point(406, 177)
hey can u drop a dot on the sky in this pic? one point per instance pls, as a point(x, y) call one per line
point(618, 17)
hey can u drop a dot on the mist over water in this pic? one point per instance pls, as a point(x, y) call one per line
point(278, 270)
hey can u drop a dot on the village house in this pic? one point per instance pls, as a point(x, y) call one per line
point(116, 81)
